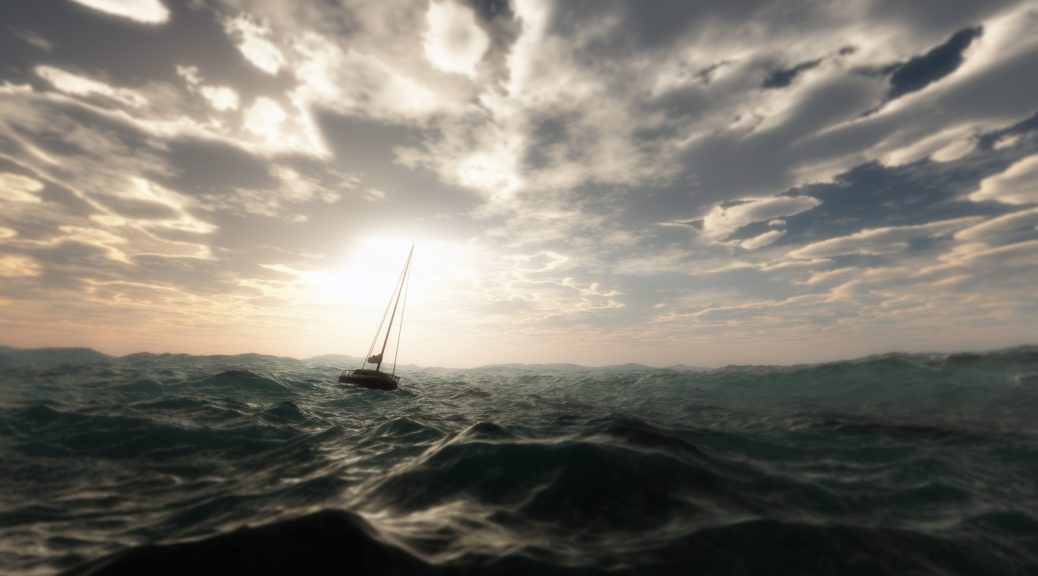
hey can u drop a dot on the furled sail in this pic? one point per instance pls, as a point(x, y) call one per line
point(375, 359)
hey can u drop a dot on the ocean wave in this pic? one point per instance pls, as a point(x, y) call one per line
point(900, 463)
point(333, 541)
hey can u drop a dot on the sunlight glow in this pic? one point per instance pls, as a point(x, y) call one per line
point(351, 295)
point(374, 265)
point(368, 274)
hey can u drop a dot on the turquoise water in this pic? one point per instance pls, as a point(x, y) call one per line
point(892, 464)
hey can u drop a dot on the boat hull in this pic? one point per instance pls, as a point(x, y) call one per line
point(373, 379)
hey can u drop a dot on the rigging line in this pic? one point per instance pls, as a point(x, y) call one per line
point(385, 313)
point(403, 309)
point(374, 338)
point(400, 285)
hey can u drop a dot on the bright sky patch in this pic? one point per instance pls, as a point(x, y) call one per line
point(453, 41)
point(144, 11)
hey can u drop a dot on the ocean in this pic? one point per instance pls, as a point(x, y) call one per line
point(251, 464)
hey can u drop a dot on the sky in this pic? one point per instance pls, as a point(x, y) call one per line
point(587, 181)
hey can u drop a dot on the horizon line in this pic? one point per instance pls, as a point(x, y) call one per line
point(5, 347)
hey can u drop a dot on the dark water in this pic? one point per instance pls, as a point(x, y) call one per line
point(899, 464)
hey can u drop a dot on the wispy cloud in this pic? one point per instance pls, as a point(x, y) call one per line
point(877, 241)
point(1014, 186)
point(722, 221)
point(77, 85)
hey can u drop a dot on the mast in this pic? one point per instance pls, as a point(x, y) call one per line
point(399, 291)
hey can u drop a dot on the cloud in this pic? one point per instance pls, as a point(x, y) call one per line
point(109, 242)
point(762, 240)
point(1017, 259)
point(253, 41)
point(100, 193)
point(289, 193)
point(265, 118)
point(959, 104)
point(221, 97)
point(358, 83)
point(77, 85)
point(943, 146)
point(1001, 229)
point(144, 11)
point(453, 41)
point(879, 241)
point(540, 262)
point(535, 131)
point(721, 221)
point(1017, 185)
point(34, 39)
point(18, 188)
point(18, 266)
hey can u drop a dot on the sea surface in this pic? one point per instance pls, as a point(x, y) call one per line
point(176, 464)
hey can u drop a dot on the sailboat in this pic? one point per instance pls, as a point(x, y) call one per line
point(376, 378)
